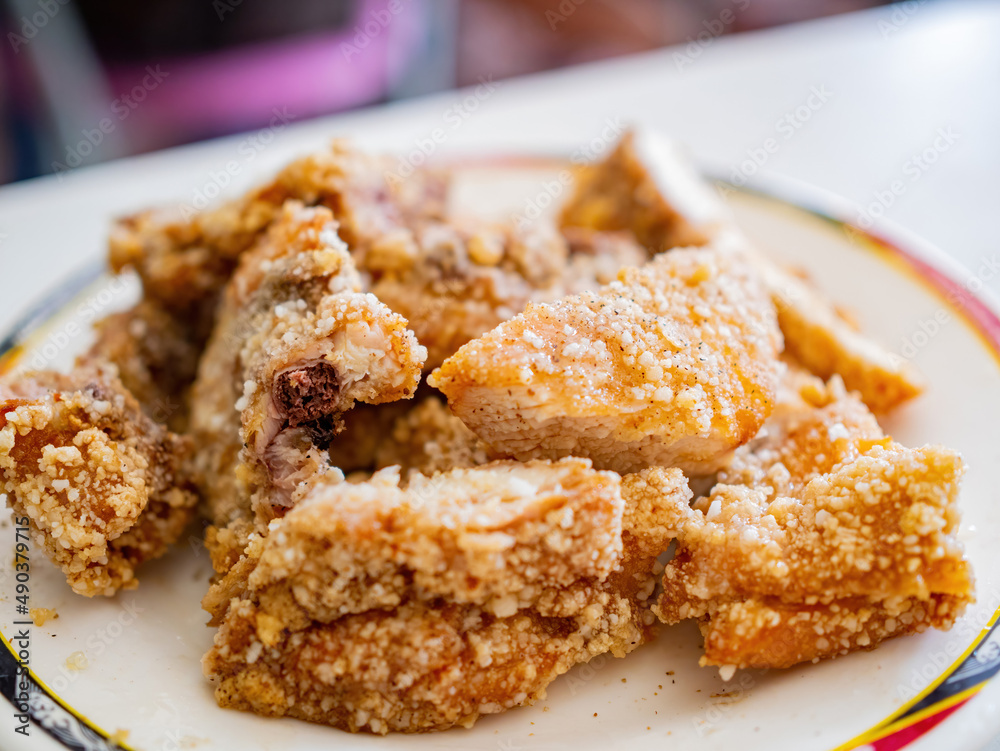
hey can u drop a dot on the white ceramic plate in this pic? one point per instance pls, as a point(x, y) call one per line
point(142, 649)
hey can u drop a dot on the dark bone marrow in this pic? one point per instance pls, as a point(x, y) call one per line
point(307, 395)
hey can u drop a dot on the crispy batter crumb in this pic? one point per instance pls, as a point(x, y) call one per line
point(41, 616)
point(119, 736)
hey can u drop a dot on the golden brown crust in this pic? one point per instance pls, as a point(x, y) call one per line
point(673, 364)
point(769, 633)
point(103, 486)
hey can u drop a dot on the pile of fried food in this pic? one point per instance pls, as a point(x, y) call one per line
point(443, 458)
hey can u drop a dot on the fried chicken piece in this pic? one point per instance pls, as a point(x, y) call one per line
point(648, 187)
point(824, 537)
point(184, 258)
point(498, 537)
point(103, 486)
point(156, 357)
point(306, 373)
point(644, 187)
point(296, 346)
point(674, 364)
point(819, 337)
point(417, 669)
point(385, 608)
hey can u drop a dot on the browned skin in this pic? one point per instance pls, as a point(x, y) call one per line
point(824, 538)
point(364, 608)
point(103, 486)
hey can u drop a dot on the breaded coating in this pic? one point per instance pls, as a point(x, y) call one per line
point(824, 537)
point(156, 357)
point(385, 608)
point(819, 337)
point(103, 486)
point(674, 364)
point(496, 537)
point(367, 428)
point(646, 186)
point(295, 347)
point(184, 258)
point(762, 632)
point(227, 544)
point(427, 439)
point(455, 281)
point(595, 258)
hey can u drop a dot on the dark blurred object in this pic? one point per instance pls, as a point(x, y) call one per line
point(129, 32)
point(82, 81)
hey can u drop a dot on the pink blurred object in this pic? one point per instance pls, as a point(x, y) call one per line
point(251, 86)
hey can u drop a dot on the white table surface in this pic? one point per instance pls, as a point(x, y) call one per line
point(891, 86)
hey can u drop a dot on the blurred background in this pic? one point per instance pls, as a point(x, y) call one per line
point(83, 81)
